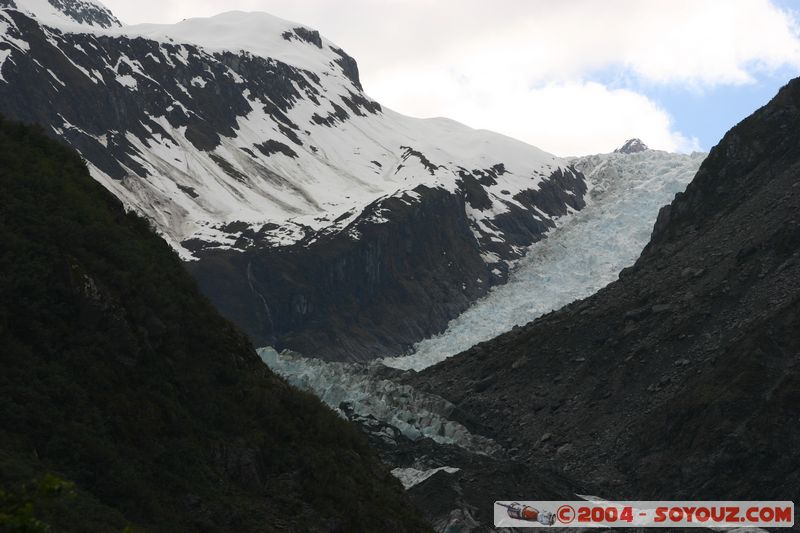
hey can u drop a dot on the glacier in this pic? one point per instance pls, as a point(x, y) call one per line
point(585, 252)
point(361, 388)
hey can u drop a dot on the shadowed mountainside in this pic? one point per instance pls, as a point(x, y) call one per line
point(119, 376)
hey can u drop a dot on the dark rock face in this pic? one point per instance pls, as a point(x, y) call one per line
point(681, 379)
point(349, 66)
point(631, 146)
point(273, 147)
point(350, 299)
point(304, 34)
point(376, 288)
point(86, 13)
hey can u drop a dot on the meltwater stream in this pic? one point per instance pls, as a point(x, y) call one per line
point(582, 254)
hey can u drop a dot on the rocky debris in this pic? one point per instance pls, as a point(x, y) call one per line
point(661, 308)
point(461, 494)
point(690, 272)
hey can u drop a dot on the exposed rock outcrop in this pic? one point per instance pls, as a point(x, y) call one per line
point(631, 146)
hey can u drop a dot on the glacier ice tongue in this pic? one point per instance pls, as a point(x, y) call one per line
point(584, 253)
point(362, 389)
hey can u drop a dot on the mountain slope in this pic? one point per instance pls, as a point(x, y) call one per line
point(118, 376)
point(250, 144)
point(680, 380)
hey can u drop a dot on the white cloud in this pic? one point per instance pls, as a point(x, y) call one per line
point(695, 41)
point(703, 42)
point(524, 67)
point(565, 118)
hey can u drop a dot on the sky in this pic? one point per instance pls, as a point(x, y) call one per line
point(572, 77)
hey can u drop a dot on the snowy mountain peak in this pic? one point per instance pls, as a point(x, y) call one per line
point(632, 146)
point(247, 140)
point(259, 34)
point(66, 12)
point(244, 129)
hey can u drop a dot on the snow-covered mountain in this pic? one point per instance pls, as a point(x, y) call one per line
point(243, 117)
point(579, 257)
point(247, 139)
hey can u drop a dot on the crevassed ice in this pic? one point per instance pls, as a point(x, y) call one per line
point(414, 413)
point(413, 476)
point(584, 253)
point(580, 256)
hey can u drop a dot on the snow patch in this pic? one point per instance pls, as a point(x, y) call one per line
point(412, 476)
point(3, 56)
point(127, 80)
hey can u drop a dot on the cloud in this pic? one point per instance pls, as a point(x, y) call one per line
point(699, 42)
point(533, 68)
point(565, 118)
point(684, 41)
